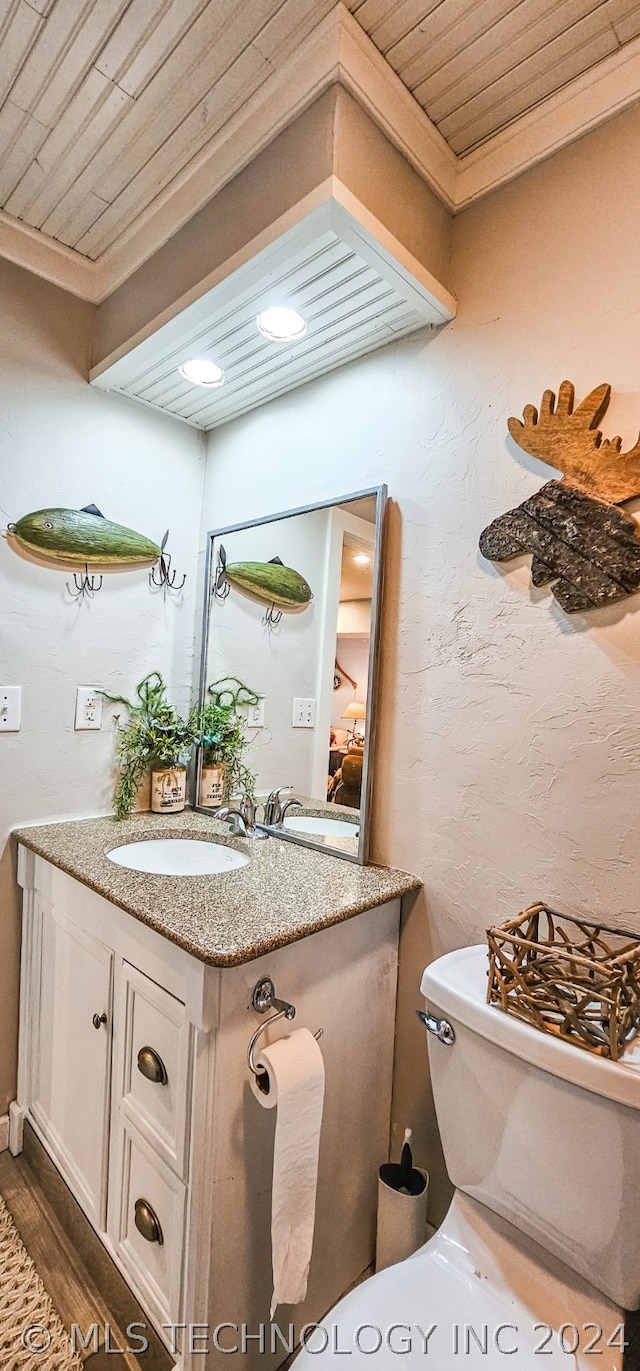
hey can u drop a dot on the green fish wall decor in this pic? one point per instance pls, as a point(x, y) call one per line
point(82, 537)
point(276, 585)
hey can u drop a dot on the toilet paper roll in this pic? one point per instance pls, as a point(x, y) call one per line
point(295, 1075)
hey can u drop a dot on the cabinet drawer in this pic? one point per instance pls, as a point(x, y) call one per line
point(155, 1084)
point(151, 1249)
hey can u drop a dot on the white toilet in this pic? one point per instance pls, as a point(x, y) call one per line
point(540, 1251)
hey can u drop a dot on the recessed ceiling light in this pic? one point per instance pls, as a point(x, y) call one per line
point(202, 373)
point(361, 559)
point(281, 324)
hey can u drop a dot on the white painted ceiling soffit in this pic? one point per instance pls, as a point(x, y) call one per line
point(333, 151)
point(88, 197)
point(355, 285)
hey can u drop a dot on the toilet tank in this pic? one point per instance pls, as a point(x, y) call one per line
point(544, 1133)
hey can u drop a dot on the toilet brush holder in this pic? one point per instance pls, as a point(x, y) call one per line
point(402, 1217)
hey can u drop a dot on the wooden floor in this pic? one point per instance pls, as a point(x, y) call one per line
point(58, 1257)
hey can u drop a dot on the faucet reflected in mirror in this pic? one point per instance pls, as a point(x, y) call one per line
point(291, 621)
point(241, 818)
point(278, 804)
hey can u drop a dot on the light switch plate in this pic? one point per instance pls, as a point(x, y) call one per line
point(10, 708)
point(88, 708)
point(304, 713)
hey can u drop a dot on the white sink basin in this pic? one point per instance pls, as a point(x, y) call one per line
point(177, 857)
point(323, 828)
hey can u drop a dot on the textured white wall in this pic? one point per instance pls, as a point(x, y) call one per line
point(508, 733)
point(281, 662)
point(62, 443)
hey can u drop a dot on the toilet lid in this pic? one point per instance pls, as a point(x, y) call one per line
point(433, 1313)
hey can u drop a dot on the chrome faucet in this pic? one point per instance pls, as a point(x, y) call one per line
point(288, 804)
point(276, 805)
point(273, 803)
point(242, 820)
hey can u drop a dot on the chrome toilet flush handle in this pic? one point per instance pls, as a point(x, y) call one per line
point(441, 1028)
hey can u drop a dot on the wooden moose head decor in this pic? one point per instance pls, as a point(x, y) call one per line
point(573, 527)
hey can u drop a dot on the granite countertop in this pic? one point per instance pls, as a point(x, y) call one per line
point(284, 893)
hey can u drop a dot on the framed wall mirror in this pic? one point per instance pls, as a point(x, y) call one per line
point(290, 644)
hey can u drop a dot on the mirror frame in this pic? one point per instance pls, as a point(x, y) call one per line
point(373, 674)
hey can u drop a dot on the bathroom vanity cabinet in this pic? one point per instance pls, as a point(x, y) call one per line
point(133, 1073)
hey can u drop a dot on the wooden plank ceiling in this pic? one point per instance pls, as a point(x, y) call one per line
point(476, 65)
point(104, 103)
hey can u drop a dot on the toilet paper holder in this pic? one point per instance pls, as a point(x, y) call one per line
point(262, 999)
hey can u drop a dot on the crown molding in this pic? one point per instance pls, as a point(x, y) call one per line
point(363, 71)
point(583, 104)
point(291, 89)
point(52, 261)
point(336, 51)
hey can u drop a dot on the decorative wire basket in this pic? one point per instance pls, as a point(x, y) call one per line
point(583, 988)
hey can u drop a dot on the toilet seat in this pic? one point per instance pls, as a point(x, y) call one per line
point(478, 1283)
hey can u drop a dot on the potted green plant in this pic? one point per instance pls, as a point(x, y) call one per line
point(156, 739)
point(224, 741)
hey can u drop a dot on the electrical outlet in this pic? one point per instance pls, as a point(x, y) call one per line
point(304, 713)
point(255, 714)
point(88, 708)
point(10, 708)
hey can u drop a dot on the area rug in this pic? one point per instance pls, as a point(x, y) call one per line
point(32, 1337)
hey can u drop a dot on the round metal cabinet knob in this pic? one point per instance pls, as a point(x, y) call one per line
point(98, 1020)
point(151, 1065)
point(147, 1222)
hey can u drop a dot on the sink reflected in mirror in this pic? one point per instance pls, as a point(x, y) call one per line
point(177, 857)
point(313, 824)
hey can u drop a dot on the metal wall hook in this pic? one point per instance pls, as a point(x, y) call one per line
point(271, 617)
point(161, 576)
point(86, 586)
point(221, 588)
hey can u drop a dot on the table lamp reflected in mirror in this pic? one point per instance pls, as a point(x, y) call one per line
point(354, 712)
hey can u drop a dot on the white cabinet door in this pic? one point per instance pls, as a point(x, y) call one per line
point(73, 1059)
